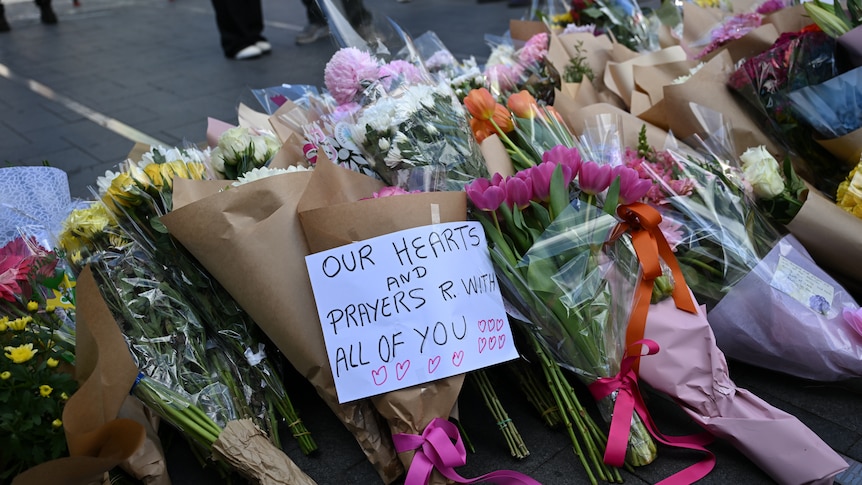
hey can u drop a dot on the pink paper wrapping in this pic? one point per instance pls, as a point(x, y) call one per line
point(800, 341)
point(690, 368)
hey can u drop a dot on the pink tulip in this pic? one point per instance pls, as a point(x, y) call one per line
point(632, 187)
point(518, 192)
point(594, 178)
point(484, 195)
point(568, 157)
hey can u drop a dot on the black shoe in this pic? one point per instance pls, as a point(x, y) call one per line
point(48, 16)
point(4, 25)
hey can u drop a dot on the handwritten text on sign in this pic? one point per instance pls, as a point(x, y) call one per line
point(408, 308)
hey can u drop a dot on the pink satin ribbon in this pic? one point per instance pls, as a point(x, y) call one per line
point(628, 401)
point(435, 449)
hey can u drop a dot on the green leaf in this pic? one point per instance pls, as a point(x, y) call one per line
point(612, 200)
point(157, 224)
point(559, 193)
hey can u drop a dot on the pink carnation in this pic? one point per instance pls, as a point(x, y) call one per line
point(535, 49)
point(398, 69)
point(348, 72)
point(505, 76)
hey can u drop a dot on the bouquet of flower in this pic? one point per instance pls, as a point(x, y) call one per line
point(624, 20)
point(413, 132)
point(741, 265)
point(510, 70)
point(152, 284)
point(35, 372)
point(267, 237)
point(462, 75)
point(525, 128)
point(795, 60)
point(547, 228)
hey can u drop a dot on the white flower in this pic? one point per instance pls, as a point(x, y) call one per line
point(685, 77)
point(264, 172)
point(104, 182)
point(502, 54)
point(217, 160)
point(383, 143)
point(233, 142)
point(761, 169)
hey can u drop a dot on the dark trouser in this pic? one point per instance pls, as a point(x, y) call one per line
point(353, 9)
point(240, 24)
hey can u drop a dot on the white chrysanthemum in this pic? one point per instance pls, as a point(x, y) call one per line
point(104, 182)
point(264, 172)
point(383, 144)
point(393, 157)
point(502, 54)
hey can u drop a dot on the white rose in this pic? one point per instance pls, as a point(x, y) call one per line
point(762, 170)
point(234, 141)
point(217, 160)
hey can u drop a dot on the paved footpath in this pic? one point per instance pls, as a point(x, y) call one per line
point(114, 72)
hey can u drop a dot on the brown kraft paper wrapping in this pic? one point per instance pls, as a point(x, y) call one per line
point(708, 88)
point(847, 148)
point(832, 236)
point(97, 440)
point(333, 215)
point(246, 448)
point(255, 228)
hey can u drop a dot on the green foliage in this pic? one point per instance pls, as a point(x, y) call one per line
point(578, 67)
point(28, 434)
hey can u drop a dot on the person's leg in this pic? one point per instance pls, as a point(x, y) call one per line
point(356, 13)
point(4, 25)
point(239, 24)
point(316, 28)
point(47, 15)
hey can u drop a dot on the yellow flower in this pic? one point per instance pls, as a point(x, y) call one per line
point(4, 324)
point(45, 390)
point(20, 324)
point(154, 172)
point(5, 375)
point(52, 362)
point(21, 353)
point(64, 396)
point(121, 191)
point(32, 306)
point(56, 423)
point(50, 308)
point(196, 170)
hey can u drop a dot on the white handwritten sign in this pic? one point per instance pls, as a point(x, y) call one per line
point(408, 308)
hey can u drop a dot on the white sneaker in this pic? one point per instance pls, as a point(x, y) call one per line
point(311, 33)
point(264, 46)
point(250, 52)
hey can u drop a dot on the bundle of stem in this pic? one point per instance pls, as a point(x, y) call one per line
point(517, 447)
point(537, 393)
point(587, 438)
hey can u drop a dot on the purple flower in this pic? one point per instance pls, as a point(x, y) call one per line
point(518, 192)
point(568, 157)
point(632, 187)
point(348, 72)
point(484, 195)
point(770, 6)
point(594, 178)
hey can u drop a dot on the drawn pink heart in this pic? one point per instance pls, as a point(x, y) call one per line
point(501, 340)
point(482, 342)
point(457, 358)
point(401, 369)
point(433, 364)
point(379, 375)
point(482, 325)
point(500, 323)
point(491, 325)
point(492, 342)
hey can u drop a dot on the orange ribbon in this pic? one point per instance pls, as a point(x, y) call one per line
point(651, 247)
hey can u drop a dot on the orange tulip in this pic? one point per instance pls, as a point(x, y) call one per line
point(481, 129)
point(556, 114)
point(523, 105)
point(503, 119)
point(480, 103)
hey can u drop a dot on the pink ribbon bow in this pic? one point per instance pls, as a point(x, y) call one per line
point(628, 401)
point(440, 447)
